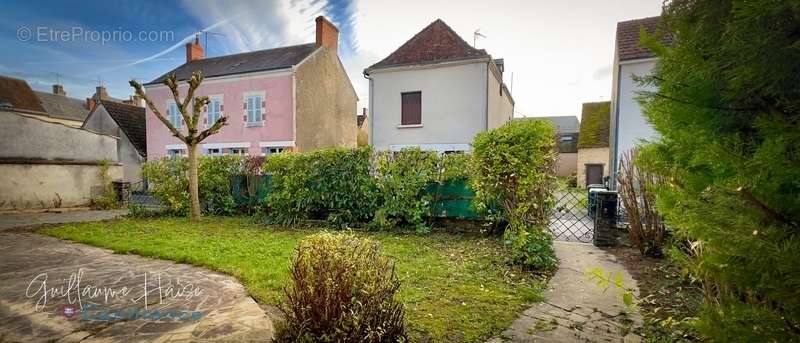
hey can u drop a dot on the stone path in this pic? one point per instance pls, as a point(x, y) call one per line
point(194, 304)
point(16, 220)
point(575, 309)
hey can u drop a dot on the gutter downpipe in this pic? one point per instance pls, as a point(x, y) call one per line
point(370, 118)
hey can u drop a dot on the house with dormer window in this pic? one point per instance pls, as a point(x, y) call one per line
point(293, 98)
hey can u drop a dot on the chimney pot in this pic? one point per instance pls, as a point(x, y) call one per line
point(59, 90)
point(327, 34)
point(194, 51)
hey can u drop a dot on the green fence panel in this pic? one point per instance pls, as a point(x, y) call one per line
point(452, 199)
point(249, 190)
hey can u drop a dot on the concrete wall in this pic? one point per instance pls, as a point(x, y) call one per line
point(501, 109)
point(591, 156)
point(628, 124)
point(326, 103)
point(36, 186)
point(100, 121)
point(42, 161)
point(363, 133)
point(277, 127)
point(24, 137)
point(567, 164)
point(453, 106)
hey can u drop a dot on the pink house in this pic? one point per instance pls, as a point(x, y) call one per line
point(293, 98)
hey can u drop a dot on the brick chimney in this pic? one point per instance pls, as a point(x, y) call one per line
point(100, 93)
point(327, 34)
point(194, 51)
point(59, 90)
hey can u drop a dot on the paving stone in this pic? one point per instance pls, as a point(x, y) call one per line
point(229, 313)
point(575, 309)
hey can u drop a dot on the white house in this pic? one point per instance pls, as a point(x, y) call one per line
point(628, 124)
point(436, 92)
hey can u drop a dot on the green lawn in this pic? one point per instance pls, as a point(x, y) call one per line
point(454, 288)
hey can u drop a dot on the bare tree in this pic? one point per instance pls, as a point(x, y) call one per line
point(645, 226)
point(191, 137)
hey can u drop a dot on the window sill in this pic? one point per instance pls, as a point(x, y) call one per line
point(257, 124)
point(410, 126)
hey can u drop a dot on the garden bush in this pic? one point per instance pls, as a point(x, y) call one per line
point(342, 289)
point(401, 178)
point(329, 184)
point(167, 181)
point(646, 228)
point(514, 166)
point(727, 109)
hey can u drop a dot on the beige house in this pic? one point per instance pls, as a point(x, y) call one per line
point(567, 141)
point(593, 151)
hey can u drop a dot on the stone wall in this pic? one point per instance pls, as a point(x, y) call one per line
point(50, 165)
point(567, 164)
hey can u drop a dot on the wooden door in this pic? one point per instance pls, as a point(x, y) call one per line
point(594, 174)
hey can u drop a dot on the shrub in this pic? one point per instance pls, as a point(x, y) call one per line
point(514, 166)
point(726, 106)
point(453, 167)
point(401, 178)
point(342, 289)
point(167, 181)
point(645, 227)
point(108, 198)
point(330, 184)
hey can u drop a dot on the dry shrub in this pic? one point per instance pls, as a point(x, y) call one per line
point(342, 289)
point(645, 225)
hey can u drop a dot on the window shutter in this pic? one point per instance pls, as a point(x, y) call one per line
point(411, 108)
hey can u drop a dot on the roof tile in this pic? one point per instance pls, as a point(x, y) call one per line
point(434, 44)
point(131, 120)
point(628, 38)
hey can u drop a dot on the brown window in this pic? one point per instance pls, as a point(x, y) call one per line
point(411, 108)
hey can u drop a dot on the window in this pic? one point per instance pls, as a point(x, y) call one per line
point(411, 107)
point(254, 106)
point(567, 143)
point(214, 110)
point(214, 152)
point(266, 151)
point(174, 115)
point(176, 152)
point(237, 151)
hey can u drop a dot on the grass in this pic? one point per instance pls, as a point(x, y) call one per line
point(455, 288)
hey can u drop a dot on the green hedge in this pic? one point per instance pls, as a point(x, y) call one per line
point(167, 181)
point(514, 166)
point(330, 184)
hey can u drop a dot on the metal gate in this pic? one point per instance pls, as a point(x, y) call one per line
point(140, 196)
point(570, 220)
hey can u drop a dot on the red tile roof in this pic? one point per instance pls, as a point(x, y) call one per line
point(628, 38)
point(434, 44)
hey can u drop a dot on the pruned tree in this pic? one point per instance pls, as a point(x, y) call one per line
point(191, 136)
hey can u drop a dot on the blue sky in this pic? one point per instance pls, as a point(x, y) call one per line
point(558, 51)
point(82, 60)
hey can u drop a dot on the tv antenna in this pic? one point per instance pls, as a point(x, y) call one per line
point(205, 37)
point(475, 36)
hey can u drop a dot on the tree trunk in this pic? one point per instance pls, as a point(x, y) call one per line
point(194, 195)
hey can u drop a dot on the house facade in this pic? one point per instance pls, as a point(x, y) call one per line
point(593, 153)
point(436, 92)
point(295, 98)
point(628, 125)
point(127, 123)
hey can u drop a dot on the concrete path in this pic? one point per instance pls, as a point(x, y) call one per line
point(17, 220)
point(43, 279)
point(575, 309)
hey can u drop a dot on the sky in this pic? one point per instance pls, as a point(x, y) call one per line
point(559, 53)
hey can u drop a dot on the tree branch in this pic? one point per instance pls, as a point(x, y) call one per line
point(772, 214)
point(172, 83)
point(140, 92)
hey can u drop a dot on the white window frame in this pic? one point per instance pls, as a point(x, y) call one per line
point(243, 151)
point(173, 117)
point(217, 152)
point(265, 151)
point(220, 113)
point(248, 114)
